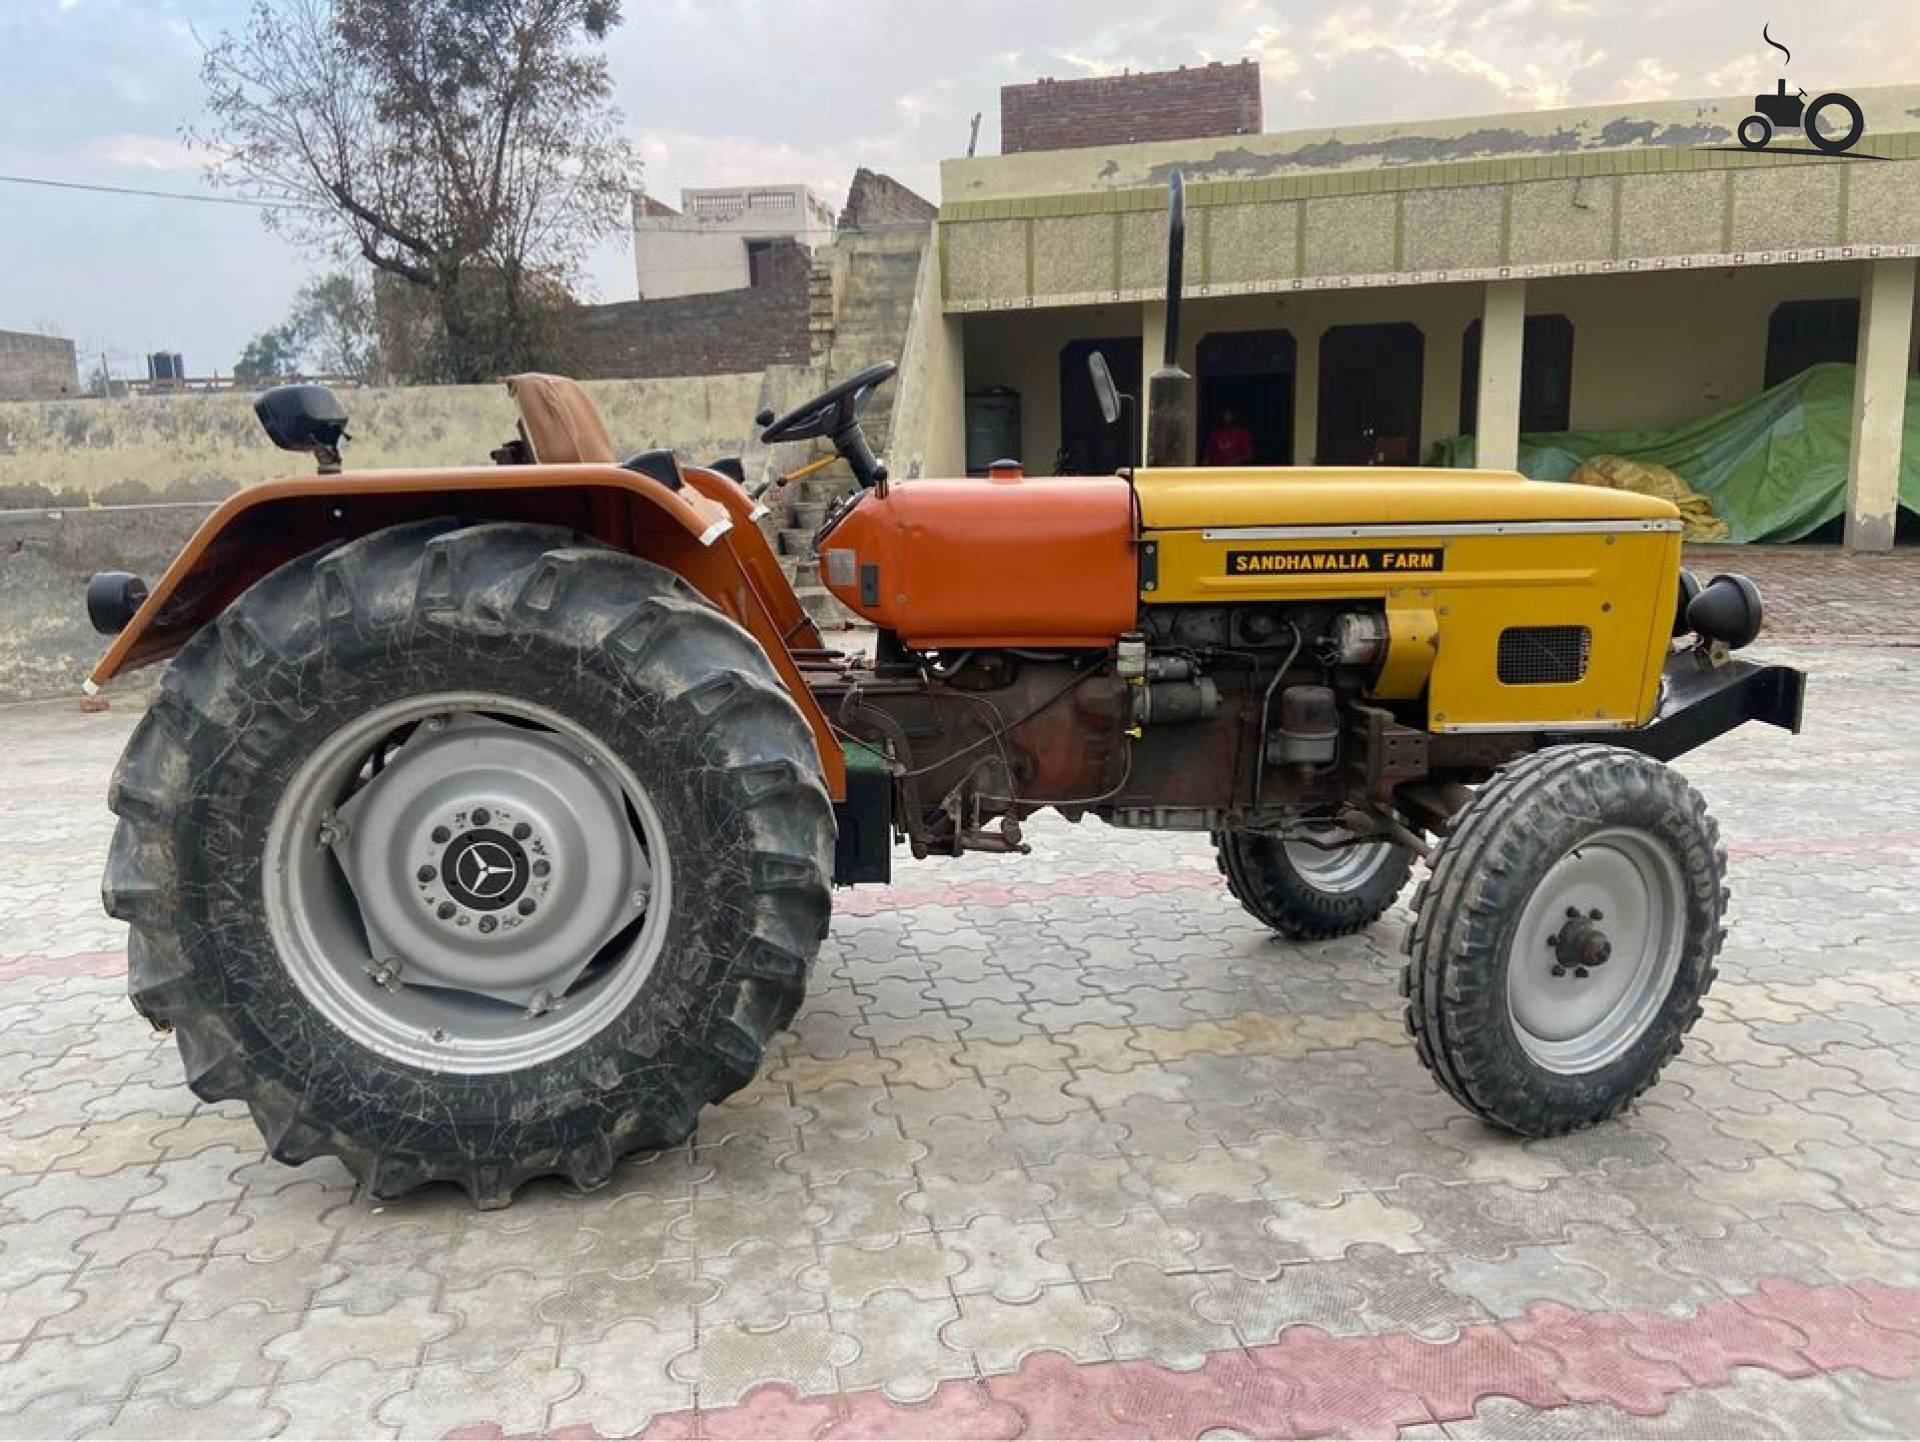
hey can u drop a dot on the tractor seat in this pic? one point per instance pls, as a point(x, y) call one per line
point(563, 427)
point(561, 424)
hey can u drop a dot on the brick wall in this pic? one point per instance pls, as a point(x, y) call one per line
point(1183, 104)
point(36, 367)
point(717, 333)
point(876, 199)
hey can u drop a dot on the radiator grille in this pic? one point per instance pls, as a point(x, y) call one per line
point(1544, 655)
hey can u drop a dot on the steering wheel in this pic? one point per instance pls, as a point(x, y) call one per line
point(835, 414)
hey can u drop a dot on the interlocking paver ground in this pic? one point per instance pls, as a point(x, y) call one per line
point(1064, 1145)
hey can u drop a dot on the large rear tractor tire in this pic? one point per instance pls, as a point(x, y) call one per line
point(1310, 893)
point(1564, 940)
point(471, 854)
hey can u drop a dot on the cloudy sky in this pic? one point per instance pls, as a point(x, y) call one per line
point(724, 92)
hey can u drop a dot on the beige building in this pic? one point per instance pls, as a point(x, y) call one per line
point(1356, 295)
point(718, 238)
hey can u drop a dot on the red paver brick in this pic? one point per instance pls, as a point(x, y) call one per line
point(79, 963)
point(1595, 1362)
point(1824, 593)
point(1895, 1308)
point(772, 1410)
point(1058, 1397)
point(1837, 1330)
point(1721, 1336)
point(1230, 1391)
point(1451, 1377)
point(961, 1410)
point(1340, 1385)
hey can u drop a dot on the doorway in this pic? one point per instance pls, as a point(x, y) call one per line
point(1546, 375)
point(1246, 379)
point(1370, 378)
point(1088, 445)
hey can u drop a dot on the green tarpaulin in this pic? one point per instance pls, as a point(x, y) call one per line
point(1775, 467)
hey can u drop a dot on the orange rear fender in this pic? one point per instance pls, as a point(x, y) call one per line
point(756, 556)
point(698, 533)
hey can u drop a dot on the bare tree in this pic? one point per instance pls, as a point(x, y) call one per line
point(467, 148)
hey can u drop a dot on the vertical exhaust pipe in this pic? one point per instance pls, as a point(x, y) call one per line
point(1170, 389)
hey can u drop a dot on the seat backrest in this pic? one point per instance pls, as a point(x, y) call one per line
point(561, 424)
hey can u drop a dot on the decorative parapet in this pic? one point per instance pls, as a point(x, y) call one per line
point(1592, 212)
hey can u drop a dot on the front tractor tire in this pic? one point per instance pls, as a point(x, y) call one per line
point(1565, 937)
point(1310, 893)
point(470, 853)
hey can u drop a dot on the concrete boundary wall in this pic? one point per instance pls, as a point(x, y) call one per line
point(96, 485)
point(204, 447)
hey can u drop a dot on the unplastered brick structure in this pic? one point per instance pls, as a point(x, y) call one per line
point(1183, 104)
point(875, 200)
point(36, 367)
point(717, 333)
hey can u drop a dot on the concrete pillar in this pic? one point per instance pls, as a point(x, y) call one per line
point(1879, 403)
point(1306, 393)
point(1503, 327)
point(1153, 340)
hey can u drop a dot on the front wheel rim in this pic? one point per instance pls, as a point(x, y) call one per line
point(1595, 951)
point(1338, 870)
point(467, 882)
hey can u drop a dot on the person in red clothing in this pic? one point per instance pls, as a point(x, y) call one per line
point(1229, 443)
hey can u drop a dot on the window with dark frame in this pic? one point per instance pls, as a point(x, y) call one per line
point(1806, 333)
point(1546, 375)
point(758, 252)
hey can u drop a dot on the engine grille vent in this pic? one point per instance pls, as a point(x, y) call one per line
point(1544, 655)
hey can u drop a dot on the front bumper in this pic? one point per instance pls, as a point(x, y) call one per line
point(1701, 699)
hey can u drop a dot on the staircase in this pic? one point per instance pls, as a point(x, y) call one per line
point(859, 298)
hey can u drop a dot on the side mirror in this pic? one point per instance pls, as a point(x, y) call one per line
point(1104, 389)
point(304, 418)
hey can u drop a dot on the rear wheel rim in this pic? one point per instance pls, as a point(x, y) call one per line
point(467, 882)
point(1596, 950)
point(1339, 869)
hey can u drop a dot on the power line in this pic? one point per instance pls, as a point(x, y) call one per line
point(150, 194)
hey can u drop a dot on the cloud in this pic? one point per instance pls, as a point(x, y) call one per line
point(675, 159)
point(156, 154)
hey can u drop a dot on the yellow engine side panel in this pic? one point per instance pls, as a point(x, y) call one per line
point(1618, 580)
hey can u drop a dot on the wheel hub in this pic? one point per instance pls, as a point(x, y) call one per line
point(1595, 950)
point(1580, 946)
point(481, 870)
point(489, 858)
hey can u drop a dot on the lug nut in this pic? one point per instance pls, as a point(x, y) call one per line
point(445, 910)
point(527, 906)
point(542, 867)
point(481, 816)
point(488, 923)
point(1559, 970)
point(441, 835)
point(426, 873)
point(521, 831)
point(1580, 972)
point(1595, 915)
